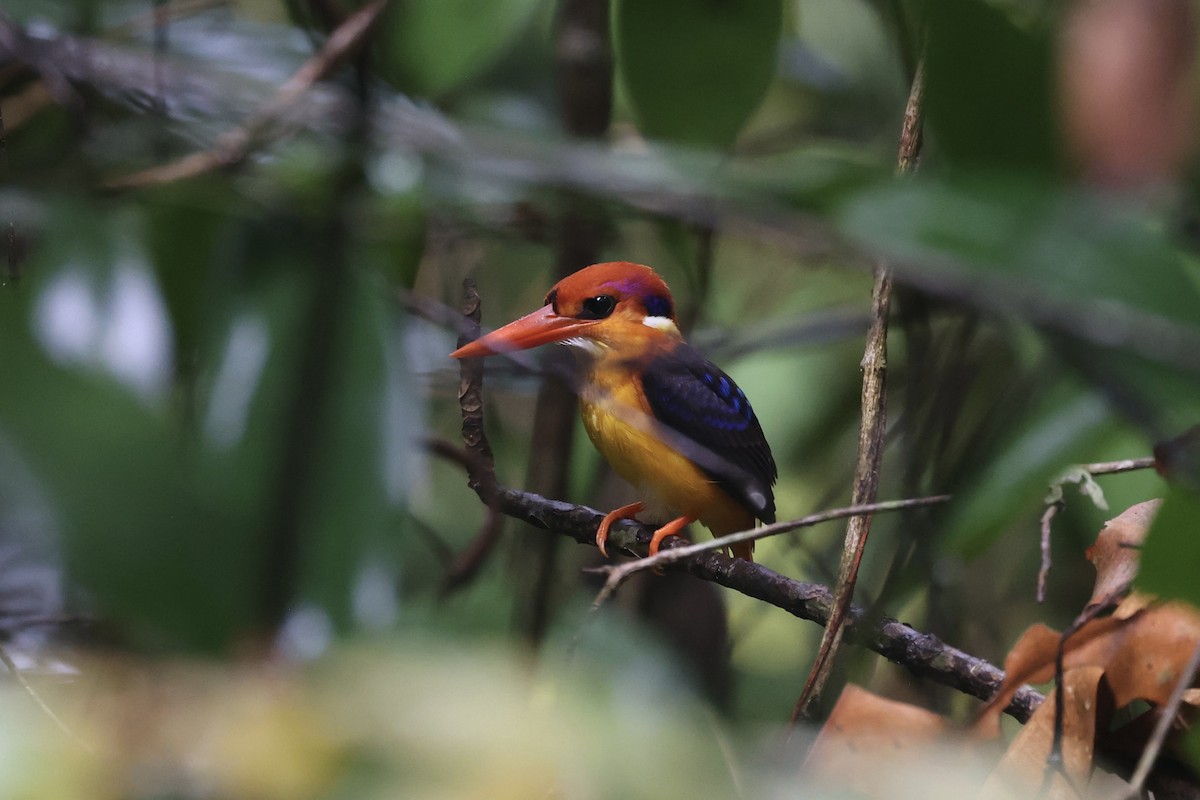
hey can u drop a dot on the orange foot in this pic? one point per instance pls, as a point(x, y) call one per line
point(624, 512)
point(670, 529)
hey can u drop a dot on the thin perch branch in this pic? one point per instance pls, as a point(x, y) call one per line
point(1117, 467)
point(618, 574)
point(1048, 516)
point(477, 457)
point(873, 428)
point(866, 488)
point(922, 654)
point(470, 399)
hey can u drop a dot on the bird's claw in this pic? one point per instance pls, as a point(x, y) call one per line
point(624, 512)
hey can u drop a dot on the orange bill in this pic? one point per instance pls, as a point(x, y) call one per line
point(541, 327)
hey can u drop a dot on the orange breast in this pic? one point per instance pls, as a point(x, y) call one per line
point(617, 419)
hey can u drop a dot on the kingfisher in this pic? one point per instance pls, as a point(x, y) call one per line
point(667, 420)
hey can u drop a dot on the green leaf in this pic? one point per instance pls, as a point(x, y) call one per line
point(1065, 428)
point(181, 230)
point(164, 509)
point(153, 551)
point(1112, 291)
point(989, 81)
point(1172, 549)
point(696, 71)
point(434, 46)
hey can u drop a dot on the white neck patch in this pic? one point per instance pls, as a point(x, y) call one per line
point(661, 324)
point(589, 346)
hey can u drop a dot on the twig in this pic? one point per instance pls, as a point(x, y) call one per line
point(1167, 712)
point(922, 654)
point(1117, 467)
point(482, 479)
point(618, 574)
point(911, 136)
point(866, 487)
point(1055, 758)
point(446, 316)
point(873, 429)
point(634, 181)
point(1048, 516)
point(234, 145)
point(11, 666)
point(477, 456)
point(1055, 502)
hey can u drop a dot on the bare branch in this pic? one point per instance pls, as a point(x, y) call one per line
point(477, 457)
point(866, 487)
point(470, 400)
point(643, 182)
point(911, 136)
point(922, 654)
point(233, 146)
point(618, 574)
point(1048, 516)
point(1117, 467)
point(873, 428)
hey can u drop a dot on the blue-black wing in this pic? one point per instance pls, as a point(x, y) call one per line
point(694, 398)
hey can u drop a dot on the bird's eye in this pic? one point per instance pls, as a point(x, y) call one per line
point(598, 307)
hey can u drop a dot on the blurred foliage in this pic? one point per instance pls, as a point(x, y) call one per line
point(695, 73)
point(214, 393)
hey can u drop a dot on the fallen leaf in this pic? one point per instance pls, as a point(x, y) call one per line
point(1023, 771)
point(1142, 655)
point(862, 730)
point(1115, 553)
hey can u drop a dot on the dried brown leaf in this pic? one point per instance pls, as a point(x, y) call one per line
point(1022, 770)
point(863, 729)
point(1142, 655)
point(1115, 553)
point(1132, 604)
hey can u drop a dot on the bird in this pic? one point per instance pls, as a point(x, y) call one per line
point(666, 419)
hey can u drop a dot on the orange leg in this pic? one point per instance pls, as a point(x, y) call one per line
point(670, 529)
point(624, 512)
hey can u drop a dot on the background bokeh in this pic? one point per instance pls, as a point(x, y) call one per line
point(217, 392)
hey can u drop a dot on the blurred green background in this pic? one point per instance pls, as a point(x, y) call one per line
point(216, 392)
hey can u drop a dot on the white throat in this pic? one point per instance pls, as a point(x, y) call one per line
point(661, 324)
point(589, 346)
